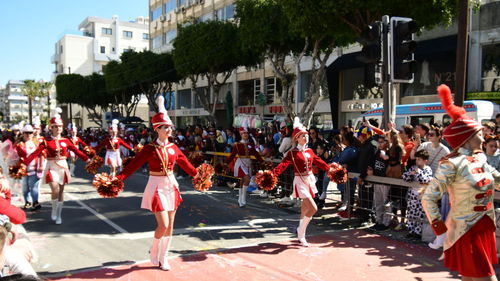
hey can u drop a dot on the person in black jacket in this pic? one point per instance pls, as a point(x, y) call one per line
point(366, 158)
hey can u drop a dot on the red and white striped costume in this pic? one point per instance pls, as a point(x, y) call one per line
point(112, 146)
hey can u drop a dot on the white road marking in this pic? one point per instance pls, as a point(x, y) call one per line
point(95, 213)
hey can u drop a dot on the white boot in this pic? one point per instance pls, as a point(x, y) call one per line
point(165, 245)
point(242, 199)
point(438, 242)
point(71, 168)
point(153, 252)
point(59, 212)
point(53, 215)
point(301, 230)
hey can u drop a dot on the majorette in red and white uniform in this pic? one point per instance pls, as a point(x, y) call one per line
point(470, 243)
point(243, 150)
point(56, 171)
point(77, 142)
point(112, 145)
point(302, 158)
point(162, 190)
point(304, 182)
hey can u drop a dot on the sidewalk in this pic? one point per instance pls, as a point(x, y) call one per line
point(345, 255)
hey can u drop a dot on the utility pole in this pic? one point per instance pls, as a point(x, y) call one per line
point(462, 52)
point(70, 109)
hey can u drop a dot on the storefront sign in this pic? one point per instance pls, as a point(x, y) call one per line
point(274, 109)
point(247, 109)
point(190, 112)
point(360, 105)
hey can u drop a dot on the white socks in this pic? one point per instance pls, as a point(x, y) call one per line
point(301, 230)
point(153, 253)
point(72, 169)
point(59, 212)
point(242, 198)
point(53, 214)
point(165, 245)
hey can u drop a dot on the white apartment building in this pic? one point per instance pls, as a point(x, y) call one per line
point(102, 41)
point(14, 104)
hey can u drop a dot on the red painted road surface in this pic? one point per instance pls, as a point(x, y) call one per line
point(348, 255)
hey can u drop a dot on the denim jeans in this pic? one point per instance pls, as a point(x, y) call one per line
point(30, 188)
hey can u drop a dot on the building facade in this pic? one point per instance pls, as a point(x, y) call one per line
point(102, 41)
point(14, 104)
point(344, 97)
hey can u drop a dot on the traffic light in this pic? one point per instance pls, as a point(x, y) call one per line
point(371, 53)
point(402, 49)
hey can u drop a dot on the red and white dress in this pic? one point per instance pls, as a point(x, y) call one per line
point(243, 165)
point(162, 190)
point(304, 182)
point(56, 169)
point(112, 145)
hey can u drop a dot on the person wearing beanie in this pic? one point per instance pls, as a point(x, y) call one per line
point(56, 173)
point(243, 149)
point(77, 142)
point(161, 194)
point(470, 243)
point(112, 145)
point(304, 183)
point(24, 148)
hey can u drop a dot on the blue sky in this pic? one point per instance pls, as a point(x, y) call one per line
point(30, 28)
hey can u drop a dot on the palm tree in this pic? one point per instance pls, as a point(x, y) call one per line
point(33, 89)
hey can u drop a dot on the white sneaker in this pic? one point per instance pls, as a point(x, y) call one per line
point(59, 220)
point(343, 208)
point(303, 242)
point(438, 242)
point(263, 194)
point(165, 265)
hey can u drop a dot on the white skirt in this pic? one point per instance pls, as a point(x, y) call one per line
point(242, 167)
point(304, 186)
point(161, 194)
point(56, 171)
point(113, 158)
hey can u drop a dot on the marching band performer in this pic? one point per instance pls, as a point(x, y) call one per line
point(77, 141)
point(161, 195)
point(112, 145)
point(304, 182)
point(243, 165)
point(56, 172)
point(469, 246)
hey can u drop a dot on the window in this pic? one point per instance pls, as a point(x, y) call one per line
point(127, 34)
point(415, 120)
point(169, 36)
point(103, 50)
point(156, 13)
point(107, 31)
point(219, 14)
point(491, 68)
point(60, 49)
point(229, 12)
point(157, 42)
point(184, 99)
point(145, 36)
point(128, 50)
point(170, 6)
point(207, 17)
point(182, 3)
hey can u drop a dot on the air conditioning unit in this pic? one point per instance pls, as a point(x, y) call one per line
point(183, 9)
point(163, 18)
point(169, 17)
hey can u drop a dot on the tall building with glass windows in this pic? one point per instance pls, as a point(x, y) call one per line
point(14, 104)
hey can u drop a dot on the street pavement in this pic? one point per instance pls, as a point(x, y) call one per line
point(214, 239)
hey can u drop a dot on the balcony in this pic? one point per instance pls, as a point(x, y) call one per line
point(106, 57)
point(55, 58)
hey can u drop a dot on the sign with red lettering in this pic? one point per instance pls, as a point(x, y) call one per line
point(247, 109)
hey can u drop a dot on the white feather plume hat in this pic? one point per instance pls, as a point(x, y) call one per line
point(56, 117)
point(161, 118)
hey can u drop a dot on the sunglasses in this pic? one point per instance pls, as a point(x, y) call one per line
point(492, 137)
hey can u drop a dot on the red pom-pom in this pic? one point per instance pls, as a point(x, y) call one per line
point(337, 173)
point(89, 151)
point(454, 111)
point(203, 179)
point(138, 148)
point(266, 180)
point(94, 165)
point(18, 171)
point(107, 186)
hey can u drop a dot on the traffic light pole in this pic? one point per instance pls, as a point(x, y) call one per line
point(387, 87)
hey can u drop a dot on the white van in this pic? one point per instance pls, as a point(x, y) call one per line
point(432, 113)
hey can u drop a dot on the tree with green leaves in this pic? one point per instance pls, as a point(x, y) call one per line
point(326, 24)
point(212, 50)
point(34, 89)
point(266, 30)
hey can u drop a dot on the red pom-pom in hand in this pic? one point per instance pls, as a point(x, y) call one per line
point(203, 179)
point(266, 180)
point(107, 186)
point(337, 173)
point(18, 171)
point(94, 165)
point(89, 151)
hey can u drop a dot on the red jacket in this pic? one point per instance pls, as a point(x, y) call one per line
point(15, 214)
point(112, 144)
point(300, 165)
point(77, 141)
point(151, 153)
point(55, 149)
point(244, 150)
